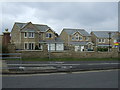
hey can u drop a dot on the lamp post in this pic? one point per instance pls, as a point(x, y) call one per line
point(49, 50)
point(109, 40)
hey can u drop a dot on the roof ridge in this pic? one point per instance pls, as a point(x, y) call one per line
point(40, 24)
point(73, 28)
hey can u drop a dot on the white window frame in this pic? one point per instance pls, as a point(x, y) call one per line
point(31, 45)
point(81, 38)
point(24, 45)
point(25, 36)
point(47, 35)
point(31, 34)
point(103, 40)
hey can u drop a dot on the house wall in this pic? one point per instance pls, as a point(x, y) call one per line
point(69, 54)
point(64, 36)
point(15, 36)
point(95, 40)
point(83, 37)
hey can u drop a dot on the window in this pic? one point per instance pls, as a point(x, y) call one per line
point(77, 38)
point(48, 35)
point(72, 38)
point(80, 38)
point(25, 34)
point(31, 46)
point(40, 46)
point(25, 45)
point(101, 40)
point(31, 34)
point(86, 38)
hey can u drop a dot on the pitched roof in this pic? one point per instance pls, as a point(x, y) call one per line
point(104, 34)
point(40, 27)
point(72, 31)
point(80, 43)
point(56, 40)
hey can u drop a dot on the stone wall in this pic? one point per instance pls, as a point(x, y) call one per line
point(84, 55)
point(68, 54)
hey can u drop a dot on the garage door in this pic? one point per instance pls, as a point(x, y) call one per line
point(76, 48)
point(51, 47)
point(59, 47)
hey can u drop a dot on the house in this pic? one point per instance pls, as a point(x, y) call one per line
point(105, 39)
point(78, 38)
point(29, 36)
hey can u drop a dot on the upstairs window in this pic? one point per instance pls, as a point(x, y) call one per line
point(25, 34)
point(48, 35)
point(73, 38)
point(101, 40)
point(31, 35)
point(80, 38)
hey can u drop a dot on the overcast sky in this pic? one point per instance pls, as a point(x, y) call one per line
point(89, 16)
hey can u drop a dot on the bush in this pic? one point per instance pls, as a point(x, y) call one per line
point(36, 47)
point(102, 49)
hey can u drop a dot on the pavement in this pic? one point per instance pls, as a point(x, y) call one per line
point(19, 67)
point(86, 79)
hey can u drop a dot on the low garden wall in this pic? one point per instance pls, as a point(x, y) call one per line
point(69, 54)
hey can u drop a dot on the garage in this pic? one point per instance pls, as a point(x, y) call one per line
point(51, 47)
point(59, 47)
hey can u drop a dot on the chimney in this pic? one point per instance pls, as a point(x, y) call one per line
point(6, 37)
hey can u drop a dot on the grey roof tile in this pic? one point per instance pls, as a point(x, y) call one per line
point(72, 31)
point(40, 27)
point(104, 34)
point(56, 40)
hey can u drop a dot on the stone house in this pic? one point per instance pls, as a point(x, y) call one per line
point(29, 36)
point(78, 38)
point(105, 39)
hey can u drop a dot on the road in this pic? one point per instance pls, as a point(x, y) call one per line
point(86, 79)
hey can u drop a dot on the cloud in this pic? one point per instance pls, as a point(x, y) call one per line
point(90, 16)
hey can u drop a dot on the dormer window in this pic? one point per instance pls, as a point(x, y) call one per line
point(48, 35)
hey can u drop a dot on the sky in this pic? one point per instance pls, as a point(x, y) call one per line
point(90, 16)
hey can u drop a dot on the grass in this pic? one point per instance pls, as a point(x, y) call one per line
point(67, 59)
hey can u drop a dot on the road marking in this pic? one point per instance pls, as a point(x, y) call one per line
point(44, 74)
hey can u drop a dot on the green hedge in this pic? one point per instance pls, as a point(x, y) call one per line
point(102, 49)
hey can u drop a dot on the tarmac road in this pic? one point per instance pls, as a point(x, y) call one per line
point(86, 79)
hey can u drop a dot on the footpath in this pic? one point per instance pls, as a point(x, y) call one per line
point(29, 67)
